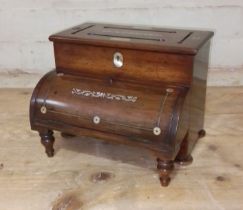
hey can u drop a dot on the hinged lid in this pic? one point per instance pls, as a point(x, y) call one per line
point(134, 37)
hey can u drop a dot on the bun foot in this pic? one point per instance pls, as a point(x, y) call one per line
point(201, 133)
point(185, 161)
point(50, 153)
point(165, 168)
point(47, 140)
point(165, 181)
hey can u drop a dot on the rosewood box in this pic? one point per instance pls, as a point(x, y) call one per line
point(141, 86)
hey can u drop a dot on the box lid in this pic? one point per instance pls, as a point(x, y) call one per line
point(135, 37)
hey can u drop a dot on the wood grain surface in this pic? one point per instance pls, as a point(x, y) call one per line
point(138, 65)
point(88, 174)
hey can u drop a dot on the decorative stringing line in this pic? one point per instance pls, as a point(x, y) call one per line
point(161, 109)
point(162, 103)
point(85, 117)
point(125, 37)
point(47, 92)
point(98, 94)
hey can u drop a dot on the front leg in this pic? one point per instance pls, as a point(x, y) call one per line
point(184, 157)
point(47, 140)
point(165, 168)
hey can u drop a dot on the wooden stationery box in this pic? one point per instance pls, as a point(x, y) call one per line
point(142, 86)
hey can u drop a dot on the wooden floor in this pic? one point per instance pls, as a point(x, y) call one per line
point(88, 174)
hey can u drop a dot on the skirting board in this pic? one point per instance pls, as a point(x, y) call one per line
point(216, 77)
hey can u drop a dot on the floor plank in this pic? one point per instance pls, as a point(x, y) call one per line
point(224, 100)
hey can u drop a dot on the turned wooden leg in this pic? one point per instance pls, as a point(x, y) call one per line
point(165, 168)
point(201, 133)
point(47, 140)
point(184, 157)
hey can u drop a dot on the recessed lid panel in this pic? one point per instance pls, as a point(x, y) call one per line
point(150, 38)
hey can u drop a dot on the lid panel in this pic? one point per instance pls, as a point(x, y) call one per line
point(163, 39)
point(132, 34)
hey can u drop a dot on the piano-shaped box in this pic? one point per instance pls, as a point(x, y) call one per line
point(141, 86)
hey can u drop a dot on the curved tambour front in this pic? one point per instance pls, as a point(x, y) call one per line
point(135, 111)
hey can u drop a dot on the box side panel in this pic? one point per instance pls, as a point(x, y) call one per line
point(195, 103)
point(137, 65)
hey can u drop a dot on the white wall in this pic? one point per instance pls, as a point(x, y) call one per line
point(25, 26)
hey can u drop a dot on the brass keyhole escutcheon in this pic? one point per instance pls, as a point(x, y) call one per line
point(118, 60)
